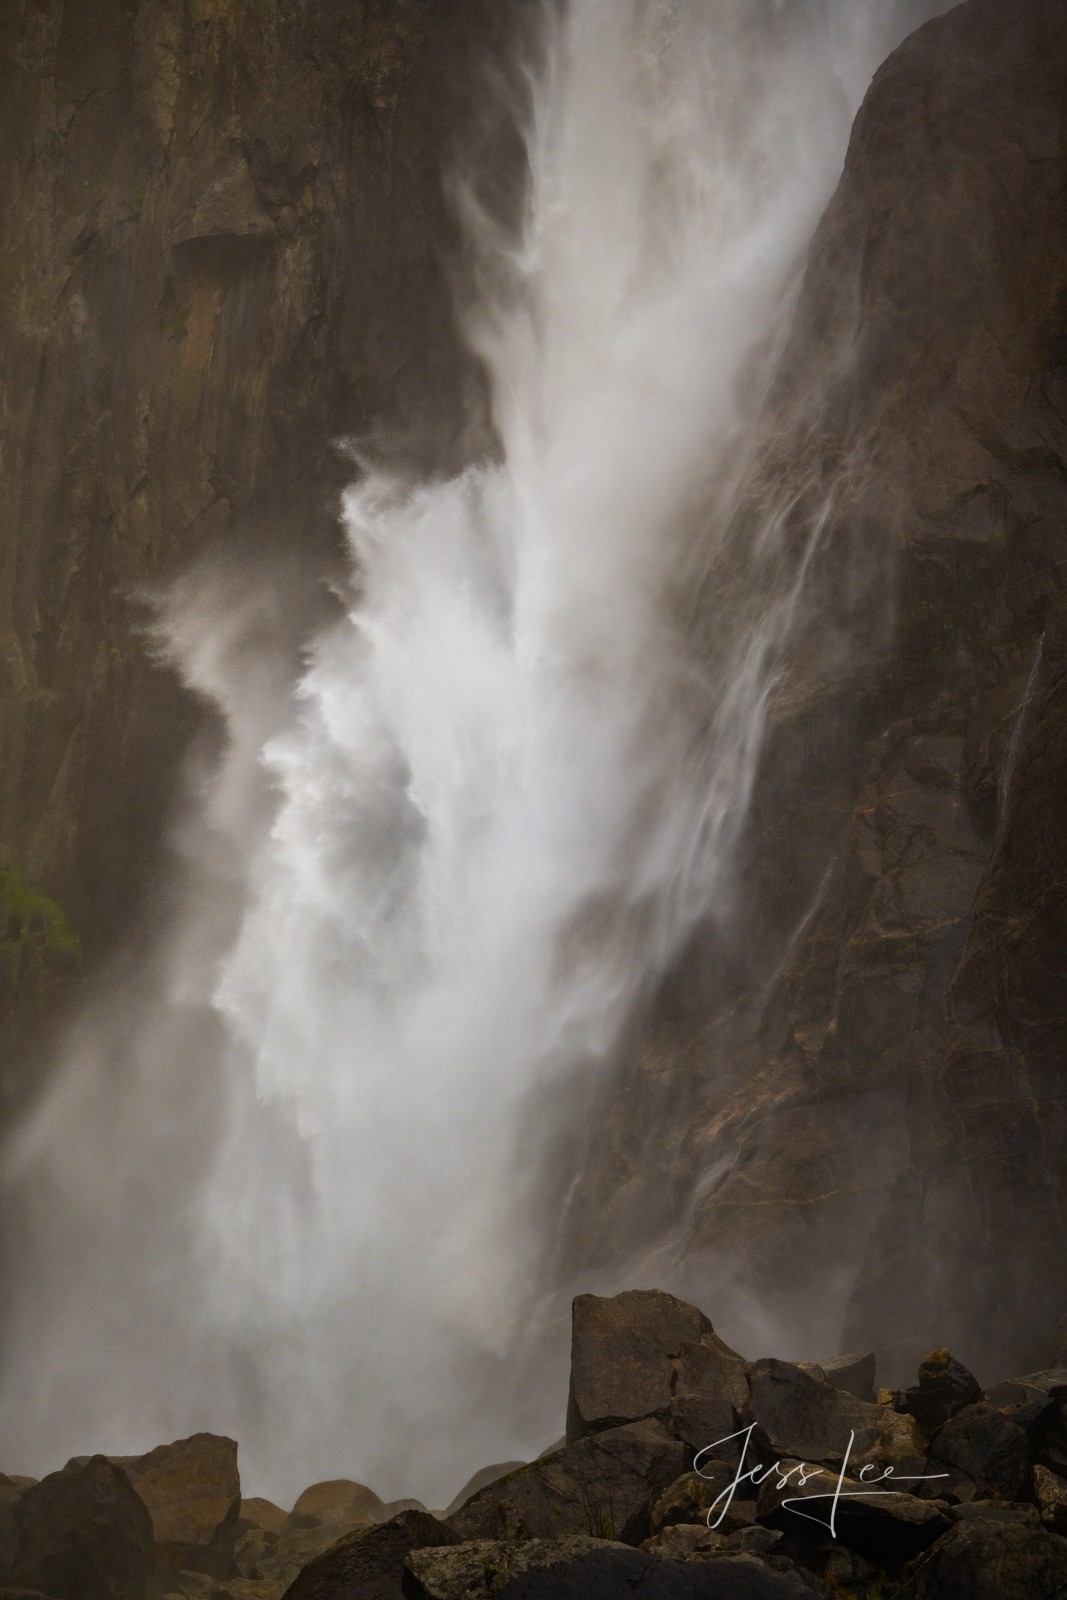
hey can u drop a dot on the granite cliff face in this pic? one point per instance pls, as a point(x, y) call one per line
point(864, 1139)
point(226, 245)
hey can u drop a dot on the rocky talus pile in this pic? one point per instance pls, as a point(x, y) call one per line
point(685, 1471)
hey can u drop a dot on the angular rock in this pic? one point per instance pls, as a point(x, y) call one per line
point(1050, 1492)
point(707, 1422)
point(580, 1568)
point(10, 1495)
point(193, 1492)
point(988, 1447)
point(84, 1535)
point(807, 1418)
point(486, 1476)
point(1019, 1513)
point(632, 1353)
point(259, 1513)
point(701, 1498)
point(1051, 1449)
point(900, 1444)
point(603, 1486)
point(1012, 1392)
point(477, 1567)
point(286, 1559)
point(945, 1387)
point(685, 1541)
point(885, 1527)
point(338, 1502)
point(368, 1564)
point(854, 1374)
point(489, 1516)
point(989, 1560)
point(252, 1549)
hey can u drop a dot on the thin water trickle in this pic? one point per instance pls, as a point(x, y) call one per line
point(289, 1183)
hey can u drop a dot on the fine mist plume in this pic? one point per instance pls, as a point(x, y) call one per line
point(289, 1178)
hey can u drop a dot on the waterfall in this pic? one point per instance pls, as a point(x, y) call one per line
point(289, 1177)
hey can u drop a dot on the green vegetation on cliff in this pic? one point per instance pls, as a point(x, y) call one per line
point(37, 949)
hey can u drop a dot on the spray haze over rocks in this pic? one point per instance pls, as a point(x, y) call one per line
point(472, 824)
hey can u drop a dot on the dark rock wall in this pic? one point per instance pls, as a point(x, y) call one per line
point(867, 1144)
point(225, 243)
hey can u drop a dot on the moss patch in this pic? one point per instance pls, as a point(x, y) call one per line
point(37, 949)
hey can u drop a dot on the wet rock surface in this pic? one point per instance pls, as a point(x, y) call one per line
point(368, 1565)
point(634, 1354)
point(624, 1506)
point(889, 1107)
point(85, 1534)
point(603, 1486)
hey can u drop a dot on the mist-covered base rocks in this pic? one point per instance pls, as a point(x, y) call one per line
point(810, 1487)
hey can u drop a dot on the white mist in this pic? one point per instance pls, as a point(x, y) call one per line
point(289, 1182)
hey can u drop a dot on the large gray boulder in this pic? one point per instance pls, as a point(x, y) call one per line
point(602, 1486)
point(10, 1495)
point(1050, 1492)
point(337, 1501)
point(635, 1353)
point(368, 1564)
point(193, 1493)
point(988, 1448)
point(990, 1560)
point(582, 1568)
point(481, 1480)
point(945, 1387)
point(804, 1417)
point(854, 1374)
point(886, 1528)
point(85, 1534)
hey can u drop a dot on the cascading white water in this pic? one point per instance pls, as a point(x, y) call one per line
point(291, 1186)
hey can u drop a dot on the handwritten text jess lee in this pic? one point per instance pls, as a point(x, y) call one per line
point(758, 1475)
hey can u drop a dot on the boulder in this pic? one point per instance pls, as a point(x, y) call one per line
point(488, 1475)
point(286, 1559)
point(990, 1560)
point(685, 1541)
point(193, 1493)
point(809, 1419)
point(338, 1502)
point(631, 1354)
point(900, 1444)
point(988, 1447)
point(692, 1499)
point(252, 1549)
point(368, 1564)
point(854, 1374)
point(944, 1387)
point(1051, 1449)
point(10, 1495)
point(1050, 1492)
point(884, 1527)
point(707, 1422)
point(1019, 1513)
point(603, 1486)
point(84, 1534)
point(258, 1513)
point(580, 1568)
